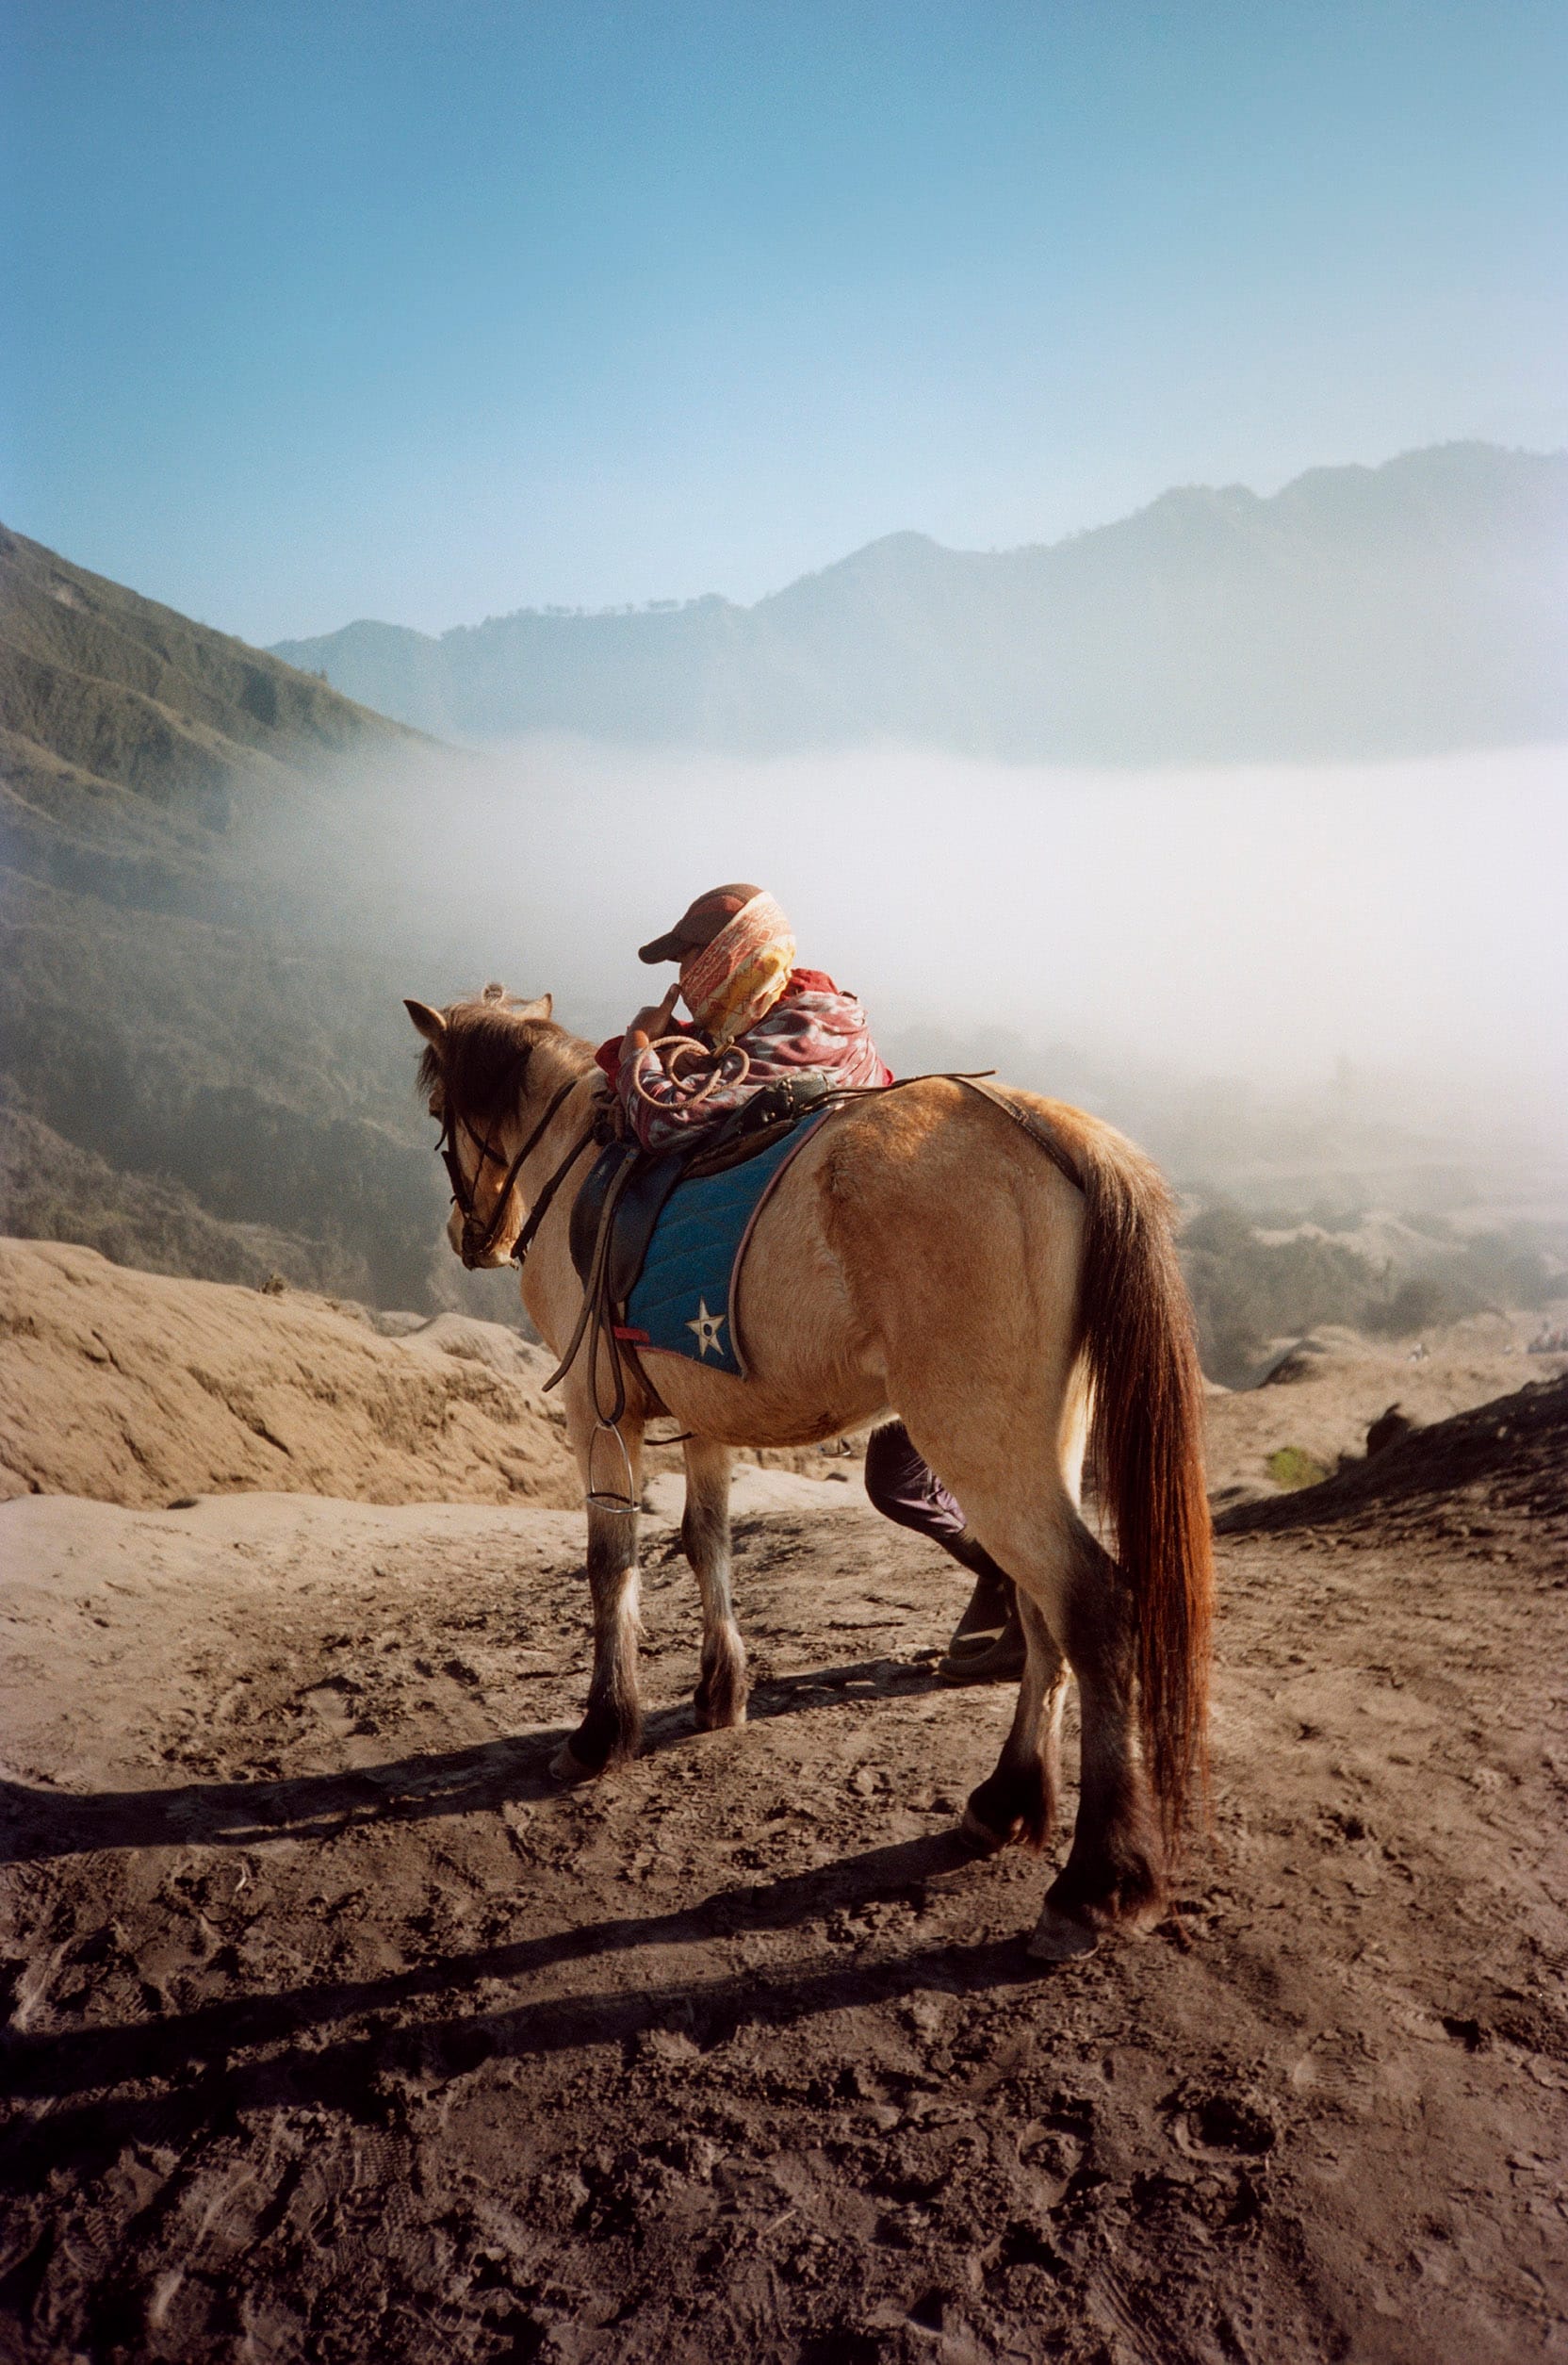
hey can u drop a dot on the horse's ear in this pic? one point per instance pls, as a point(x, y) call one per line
point(429, 1023)
point(541, 1009)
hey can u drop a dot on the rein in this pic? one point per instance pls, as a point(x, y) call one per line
point(478, 1243)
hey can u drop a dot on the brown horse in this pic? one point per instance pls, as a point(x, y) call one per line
point(921, 1256)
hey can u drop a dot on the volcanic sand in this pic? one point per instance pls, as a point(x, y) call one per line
point(338, 2034)
point(138, 1389)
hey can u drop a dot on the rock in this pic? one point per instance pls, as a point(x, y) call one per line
point(1390, 1428)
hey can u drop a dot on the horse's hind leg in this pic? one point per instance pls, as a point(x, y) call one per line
point(1113, 1875)
point(611, 1727)
point(1018, 1801)
point(721, 1693)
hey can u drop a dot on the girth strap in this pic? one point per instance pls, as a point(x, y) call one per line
point(594, 1315)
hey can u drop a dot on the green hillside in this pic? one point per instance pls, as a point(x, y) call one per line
point(189, 1079)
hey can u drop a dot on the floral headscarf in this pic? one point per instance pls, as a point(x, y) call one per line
point(736, 979)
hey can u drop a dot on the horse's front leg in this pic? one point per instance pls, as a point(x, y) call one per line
point(611, 1728)
point(721, 1693)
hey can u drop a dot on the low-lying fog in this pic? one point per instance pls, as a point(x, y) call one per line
point(1382, 942)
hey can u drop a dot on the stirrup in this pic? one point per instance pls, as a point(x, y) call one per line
point(594, 1499)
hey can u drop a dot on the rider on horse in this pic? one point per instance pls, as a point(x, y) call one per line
point(758, 1018)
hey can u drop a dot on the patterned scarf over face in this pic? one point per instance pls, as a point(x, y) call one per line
point(737, 978)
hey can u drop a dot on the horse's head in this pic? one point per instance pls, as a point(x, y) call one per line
point(491, 1066)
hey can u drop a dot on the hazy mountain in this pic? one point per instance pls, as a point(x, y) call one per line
point(217, 877)
point(1402, 610)
point(187, 1078)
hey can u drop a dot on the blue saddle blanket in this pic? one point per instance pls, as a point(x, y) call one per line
point(683, 1301)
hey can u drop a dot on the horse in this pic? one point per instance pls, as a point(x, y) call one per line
point(920, 1257)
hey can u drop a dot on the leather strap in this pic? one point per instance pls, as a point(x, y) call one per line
point(1031, 1126)
point(594, 1310)
point(541, 1208)
point(481, 1242)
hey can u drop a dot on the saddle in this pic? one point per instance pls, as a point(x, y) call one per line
point(629, 1188)
point(617, 1209)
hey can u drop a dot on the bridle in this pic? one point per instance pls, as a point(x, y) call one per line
point(479, 1240)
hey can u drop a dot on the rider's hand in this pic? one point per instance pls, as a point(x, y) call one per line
point(651, 1022)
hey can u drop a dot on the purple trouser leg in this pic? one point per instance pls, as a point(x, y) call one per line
point(907, 1489)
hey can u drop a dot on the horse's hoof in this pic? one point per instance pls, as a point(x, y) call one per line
point(979, 1835)
point(705, 1720)
point(568, 1769)
point(1060, 1938)
point(719, 1702)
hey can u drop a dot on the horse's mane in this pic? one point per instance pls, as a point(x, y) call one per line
point(481, 1061)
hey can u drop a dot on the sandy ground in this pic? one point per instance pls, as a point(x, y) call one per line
point(135, 1388)
point(337, 2034)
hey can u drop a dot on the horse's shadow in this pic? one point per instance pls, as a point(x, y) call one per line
point(37, 1824)
point(311, 2043)
point(266, 2051)
point(56, 2062)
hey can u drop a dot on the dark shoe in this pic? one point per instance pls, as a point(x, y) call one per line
point(990, 1605)
point(988, 1644)
point(998, 1659)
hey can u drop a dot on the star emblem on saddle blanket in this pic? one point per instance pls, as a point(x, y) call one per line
point(707, 1328)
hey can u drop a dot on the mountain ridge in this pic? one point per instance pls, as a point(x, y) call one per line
point(1408, 608)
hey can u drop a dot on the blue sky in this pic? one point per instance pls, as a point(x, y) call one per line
point(432, 311)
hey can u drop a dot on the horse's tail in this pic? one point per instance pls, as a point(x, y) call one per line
point(1146, 1449)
